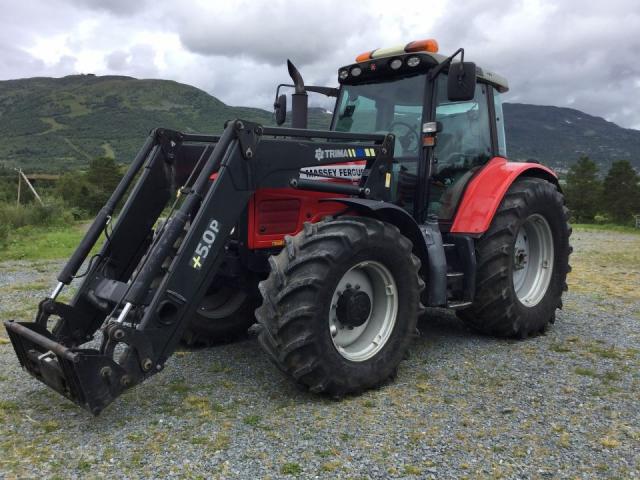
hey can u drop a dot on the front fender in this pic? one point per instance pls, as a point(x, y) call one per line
point(390, 213)
point(486, 190)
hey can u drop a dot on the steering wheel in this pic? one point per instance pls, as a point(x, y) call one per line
point(410, 140)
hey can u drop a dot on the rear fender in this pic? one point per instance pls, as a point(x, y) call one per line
point(486, 190)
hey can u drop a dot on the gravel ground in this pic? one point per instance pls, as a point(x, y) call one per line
point(562, 405)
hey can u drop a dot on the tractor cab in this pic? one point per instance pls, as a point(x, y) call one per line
point(442, 135)
point(445, 115)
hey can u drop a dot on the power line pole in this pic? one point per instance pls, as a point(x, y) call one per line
point(26, 180)
point(19, 185)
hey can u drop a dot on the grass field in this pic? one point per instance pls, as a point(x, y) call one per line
point(560, 405)
point(52, 243)
point(608, 264)
point(606, 227)
point(42, 243)
point(563, 404)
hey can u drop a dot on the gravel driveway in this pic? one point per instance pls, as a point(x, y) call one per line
point(562, 405)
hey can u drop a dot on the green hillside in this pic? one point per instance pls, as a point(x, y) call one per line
point(57, 124)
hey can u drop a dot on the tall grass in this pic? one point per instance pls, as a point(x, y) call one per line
point(14, 217)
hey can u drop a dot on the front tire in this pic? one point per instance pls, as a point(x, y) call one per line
point(341, 304)
point(523, 261)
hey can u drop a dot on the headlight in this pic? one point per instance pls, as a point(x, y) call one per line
point(413, 61)
point(343, 74)
point(355, 71)
point(395, 64)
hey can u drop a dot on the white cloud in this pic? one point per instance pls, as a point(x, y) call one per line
point(579, 53)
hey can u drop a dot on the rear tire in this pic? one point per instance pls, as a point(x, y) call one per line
point(523, 261)
point(225, 314)
point(310, 330)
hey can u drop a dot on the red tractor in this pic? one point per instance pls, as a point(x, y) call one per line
point(337, 239)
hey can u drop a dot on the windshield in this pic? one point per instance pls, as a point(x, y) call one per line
point(392, 106)
point(389, 106)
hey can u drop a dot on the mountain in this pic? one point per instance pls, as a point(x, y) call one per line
point(558, 136)
point(57, 124)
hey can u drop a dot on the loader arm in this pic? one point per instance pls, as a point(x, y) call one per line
point(140, 290)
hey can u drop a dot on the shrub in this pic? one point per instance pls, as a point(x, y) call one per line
point(51, 213)
point(4, 234)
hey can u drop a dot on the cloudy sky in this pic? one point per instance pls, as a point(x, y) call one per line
point(583, 54)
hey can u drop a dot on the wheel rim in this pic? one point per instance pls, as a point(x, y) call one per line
point(360, 343)
point(532, 260)
point(221, 303)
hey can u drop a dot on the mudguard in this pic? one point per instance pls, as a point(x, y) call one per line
point(487, 189)
point(388, 212)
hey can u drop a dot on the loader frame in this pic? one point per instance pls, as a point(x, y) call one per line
point(145, 285)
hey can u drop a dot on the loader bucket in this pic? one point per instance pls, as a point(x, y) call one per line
point(84, 376)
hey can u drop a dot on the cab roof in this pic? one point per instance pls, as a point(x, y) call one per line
point(404, 60)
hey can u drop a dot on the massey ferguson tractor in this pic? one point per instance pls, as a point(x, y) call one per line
point(335, 241)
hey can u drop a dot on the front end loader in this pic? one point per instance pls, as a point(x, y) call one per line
point(340, 238)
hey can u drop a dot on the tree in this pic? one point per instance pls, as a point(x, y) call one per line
point(89, 191)
point(77, 192)
point(104, 173)
point(583, 190)
point(621, 192)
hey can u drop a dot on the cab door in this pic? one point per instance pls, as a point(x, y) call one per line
point(465, 144)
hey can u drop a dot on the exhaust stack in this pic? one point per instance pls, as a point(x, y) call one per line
point(299, 99)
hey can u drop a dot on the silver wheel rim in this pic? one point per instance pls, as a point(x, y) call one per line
point(365, 341)
point(532, 260)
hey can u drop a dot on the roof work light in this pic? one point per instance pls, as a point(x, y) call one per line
point(427, 45)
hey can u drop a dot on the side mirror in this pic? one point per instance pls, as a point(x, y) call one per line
point(461, 84)
point(280, 109)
